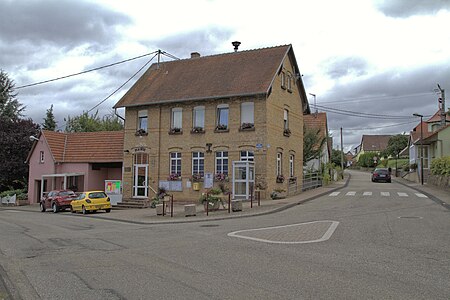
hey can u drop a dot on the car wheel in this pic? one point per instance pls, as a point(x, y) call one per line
point(84, 210)
point(72, 210)
point(108, 210)
point(42, 207)
point(55, 208)
point(389, 181)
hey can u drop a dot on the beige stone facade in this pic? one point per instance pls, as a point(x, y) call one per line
point(267, 140)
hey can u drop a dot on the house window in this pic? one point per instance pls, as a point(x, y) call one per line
point(291, 165)
point(286, 119)
point(198, 163)
point(247, 115)
point(41, 157)
point(198, 117)
point(222, 162)
point(247, 156)
point(289, 83)
point(177, 119)
point(283, 80)
point(222, 117)
point(142, 120)
point(279, 160)
point(175, 164)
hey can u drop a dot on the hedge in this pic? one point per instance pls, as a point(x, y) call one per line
point(441, 166)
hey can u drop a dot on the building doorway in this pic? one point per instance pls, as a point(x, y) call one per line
point(243, 179)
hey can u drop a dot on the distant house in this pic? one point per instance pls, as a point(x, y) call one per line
point(435, 142)
point(349, 159)
point(372, 143)
point(233, 120)
point(318, 122)
point(78, 161)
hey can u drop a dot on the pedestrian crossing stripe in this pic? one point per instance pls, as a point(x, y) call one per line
point(383, 194)
point(421, 195)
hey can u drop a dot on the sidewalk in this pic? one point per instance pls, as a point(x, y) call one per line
point(148, 215)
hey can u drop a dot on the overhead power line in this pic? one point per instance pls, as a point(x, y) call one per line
point(373, 128)
point(361, 114)
point(381, 98)
point(90, 70)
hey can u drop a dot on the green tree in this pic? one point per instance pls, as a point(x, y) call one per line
point(336, 157)
point(396, 144)
point(49, 120)
point(15, 145)
point(10, 107)
point(90, 123)
point(312, 144)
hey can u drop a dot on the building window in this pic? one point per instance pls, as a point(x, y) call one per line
point(142, 120)
point(291, 165)
point(198, 163)
point(247, 156)
point(286, 130)
point(247, 115)
point(279, 165)
point(198, 118)
point(283, 80)
point(177, 120)
point(222, 117)
point(175, 165)
point(41, 157)
point(289, 83)
point(222, 162)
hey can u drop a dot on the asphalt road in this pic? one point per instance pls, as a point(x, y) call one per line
point(373, 241)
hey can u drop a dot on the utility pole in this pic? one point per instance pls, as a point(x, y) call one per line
point(315, 107)
point(342, 155)
point(442, 106)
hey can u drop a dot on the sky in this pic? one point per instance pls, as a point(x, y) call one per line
point(378, 57)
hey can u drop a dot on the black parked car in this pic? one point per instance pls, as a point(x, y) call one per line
point(381, 174)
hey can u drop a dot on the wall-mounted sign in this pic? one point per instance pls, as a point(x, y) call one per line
point(208, 181)
point(259, 146)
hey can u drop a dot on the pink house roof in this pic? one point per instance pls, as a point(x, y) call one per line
point(100, 146)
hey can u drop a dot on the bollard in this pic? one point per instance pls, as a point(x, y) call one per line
point(207, 204)
point(229, 203)
point(171, 206)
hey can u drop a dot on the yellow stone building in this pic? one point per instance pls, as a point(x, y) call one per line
point(233, 120)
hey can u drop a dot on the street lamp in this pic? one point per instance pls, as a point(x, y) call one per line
point(421, 147)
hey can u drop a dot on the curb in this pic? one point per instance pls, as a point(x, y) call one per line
point(432, 197)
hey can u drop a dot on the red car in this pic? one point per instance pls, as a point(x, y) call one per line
point(57, 200)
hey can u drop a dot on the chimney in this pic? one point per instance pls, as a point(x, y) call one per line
point(236, 45)
point(195, 55)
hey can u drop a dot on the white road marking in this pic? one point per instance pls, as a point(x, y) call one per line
point(400, 194)
point(334, 194)
point(325, 237)
point(385, 194)
point(421, 195)
point(367, 194)
point(351, 193)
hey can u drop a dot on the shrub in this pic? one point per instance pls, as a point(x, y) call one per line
point(20, 193)
point(441, 166)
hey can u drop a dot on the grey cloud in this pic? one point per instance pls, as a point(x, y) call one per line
point(343, 66)
point(406, 8)
point(65, 23)
point(394, 92)
point(203, 41)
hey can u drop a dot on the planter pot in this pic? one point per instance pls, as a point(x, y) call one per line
point(159, 209)
point(211, 205)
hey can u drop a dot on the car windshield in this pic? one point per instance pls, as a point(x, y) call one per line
point(382, 171)
point(81, 196)
point(97, 195)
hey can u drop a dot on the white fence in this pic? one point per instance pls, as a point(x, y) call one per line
point(9, 200)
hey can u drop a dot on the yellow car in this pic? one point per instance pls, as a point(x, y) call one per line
point(90, 201)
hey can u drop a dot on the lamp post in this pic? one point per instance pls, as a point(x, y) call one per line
point(421, 147)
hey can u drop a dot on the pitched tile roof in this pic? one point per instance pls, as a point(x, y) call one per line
point(317, 121)
point(100, 146)
point(225, 75)
point(375, 142)
point(437, 117)
point(415, 133)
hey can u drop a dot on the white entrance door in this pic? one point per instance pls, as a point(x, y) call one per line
point(140, 186)
point(243, 179)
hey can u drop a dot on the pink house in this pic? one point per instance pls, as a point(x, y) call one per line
point(77, 161)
